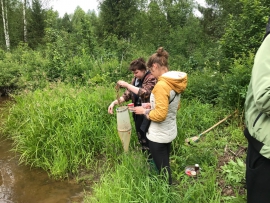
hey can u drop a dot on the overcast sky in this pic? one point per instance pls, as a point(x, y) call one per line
point(64, 6)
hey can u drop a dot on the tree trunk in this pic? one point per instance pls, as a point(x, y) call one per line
point(5, 24)
point(24, 21)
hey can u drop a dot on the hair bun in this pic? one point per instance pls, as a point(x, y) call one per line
point(161, 52)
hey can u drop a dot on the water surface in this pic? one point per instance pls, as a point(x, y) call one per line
point(23, 184)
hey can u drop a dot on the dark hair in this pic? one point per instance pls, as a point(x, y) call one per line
point(137, 64)
point(160, 57)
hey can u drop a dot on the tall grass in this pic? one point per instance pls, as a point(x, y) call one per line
point(131, 180)
point(61, 128)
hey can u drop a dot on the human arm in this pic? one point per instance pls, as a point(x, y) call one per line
point(130, 87)
point(115, 102)
point(161, 94)
point(261, 77)
point(147, 87)
point(142, 110)
point(145, 91)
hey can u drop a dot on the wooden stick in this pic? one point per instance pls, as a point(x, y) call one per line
point(240, 151)
point(232, 152)
point(196, 138)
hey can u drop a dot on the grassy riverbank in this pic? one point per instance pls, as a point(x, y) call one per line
point(66, 130)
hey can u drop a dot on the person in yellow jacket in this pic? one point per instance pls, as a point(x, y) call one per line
point(164, 101)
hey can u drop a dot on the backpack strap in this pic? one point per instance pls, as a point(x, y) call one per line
point(173, 97)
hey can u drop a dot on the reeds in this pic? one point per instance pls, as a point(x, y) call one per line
point(61, 128)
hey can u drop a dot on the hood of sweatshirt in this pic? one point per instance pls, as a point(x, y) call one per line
point(175, 79)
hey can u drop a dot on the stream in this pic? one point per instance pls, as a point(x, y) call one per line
point(23, 184)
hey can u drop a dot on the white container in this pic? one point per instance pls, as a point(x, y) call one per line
point(123, 126)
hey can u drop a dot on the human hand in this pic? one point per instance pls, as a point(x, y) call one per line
point(139, 110)
point(131, 107)
point(146, 105)
point(122, 83)
point(110, 108)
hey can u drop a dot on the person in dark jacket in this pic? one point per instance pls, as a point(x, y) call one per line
point(138, 91)
point(257, 121)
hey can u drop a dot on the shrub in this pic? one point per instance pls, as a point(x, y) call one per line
point(203, 86)
point(232, 92)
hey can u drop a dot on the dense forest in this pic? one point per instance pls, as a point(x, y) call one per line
point(89, 48)
point(62, 71)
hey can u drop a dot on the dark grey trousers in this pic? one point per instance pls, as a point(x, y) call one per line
point(161, 156)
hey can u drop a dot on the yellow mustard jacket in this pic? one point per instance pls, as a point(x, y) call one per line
point(170, 85)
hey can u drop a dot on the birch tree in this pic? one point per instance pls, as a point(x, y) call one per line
point(5, 23)
point(24, 21)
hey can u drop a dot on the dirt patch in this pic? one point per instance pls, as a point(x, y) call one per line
point(229, 190)
point(231, 155)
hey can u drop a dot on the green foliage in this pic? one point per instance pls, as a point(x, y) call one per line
point(10, 73)
point(133, 180)
point(227, 90)
point(36, 24)
point(204, 85)
point(183, 41)
point(233, 90)
point(23, 69)
point(216, 15)
point(63, 128)
point(83, 32)
point(14, 22)
point(234, 172)
point(132, 175)
point(121, 48)
point(177, 12)
point(130, 181)
point(158, 24)
point(117, 17)
point(245, 32)
point(59, 128)
point(78, 70)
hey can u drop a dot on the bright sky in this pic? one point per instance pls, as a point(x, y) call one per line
point(64, 6)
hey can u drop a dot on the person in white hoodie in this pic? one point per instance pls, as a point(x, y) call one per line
point(164, 101)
